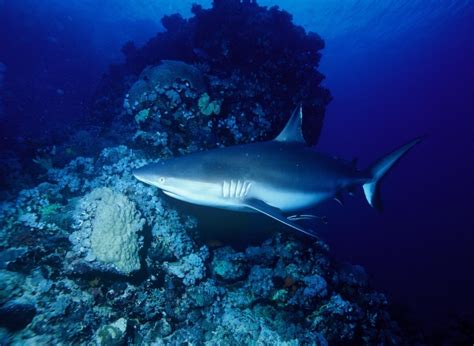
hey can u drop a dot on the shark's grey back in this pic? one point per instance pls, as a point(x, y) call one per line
point(292, 166)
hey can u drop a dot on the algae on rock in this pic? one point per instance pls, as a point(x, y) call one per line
point(208, 107)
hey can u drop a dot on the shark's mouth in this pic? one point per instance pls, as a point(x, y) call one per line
point(171, 194)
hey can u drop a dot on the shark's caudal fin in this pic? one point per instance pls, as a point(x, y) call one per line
point(378, 170)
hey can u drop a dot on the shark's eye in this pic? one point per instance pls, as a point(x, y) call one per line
point(161, 180)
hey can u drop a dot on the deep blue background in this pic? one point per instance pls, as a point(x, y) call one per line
point(396, 70)
point(421, 249)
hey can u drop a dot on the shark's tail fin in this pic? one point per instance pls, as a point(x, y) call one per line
point(378, 170)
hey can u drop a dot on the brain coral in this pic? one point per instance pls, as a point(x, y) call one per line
point(111, 225)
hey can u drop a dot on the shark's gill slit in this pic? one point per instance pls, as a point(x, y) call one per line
point(232, 189)
point(224, 189)
point(238, 189)
point(247, 188)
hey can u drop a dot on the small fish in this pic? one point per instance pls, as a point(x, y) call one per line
point(275, 177)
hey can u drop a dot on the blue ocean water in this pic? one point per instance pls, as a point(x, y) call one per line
point(395, 69)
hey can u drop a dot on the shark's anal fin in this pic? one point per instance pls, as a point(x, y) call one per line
point(339, 198)
point(298, 217)
point(275, 213)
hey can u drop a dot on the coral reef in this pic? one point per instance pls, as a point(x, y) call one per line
point(89, 255)
point(224, 81)
point(163, 75)
point(280, 291)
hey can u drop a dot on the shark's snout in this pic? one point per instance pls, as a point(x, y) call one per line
point(143, 174)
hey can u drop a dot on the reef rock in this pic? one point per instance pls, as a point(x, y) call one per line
point(112, 334)
point(155, 78)
point(16, 315)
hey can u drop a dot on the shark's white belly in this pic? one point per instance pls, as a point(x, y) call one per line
point(231, 194)
point(288, 200)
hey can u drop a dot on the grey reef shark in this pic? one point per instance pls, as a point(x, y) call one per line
point(284, 175)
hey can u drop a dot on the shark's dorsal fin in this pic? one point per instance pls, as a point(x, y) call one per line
point(293, 129)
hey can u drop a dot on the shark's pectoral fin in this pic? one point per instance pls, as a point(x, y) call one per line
point(274, 213)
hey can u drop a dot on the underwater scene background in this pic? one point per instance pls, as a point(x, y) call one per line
point(91, 90)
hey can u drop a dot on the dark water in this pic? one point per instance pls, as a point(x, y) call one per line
point(396, 70)
point(419, 82)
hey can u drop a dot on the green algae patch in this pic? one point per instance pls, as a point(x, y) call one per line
point(208, 107)
point(142, 116)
